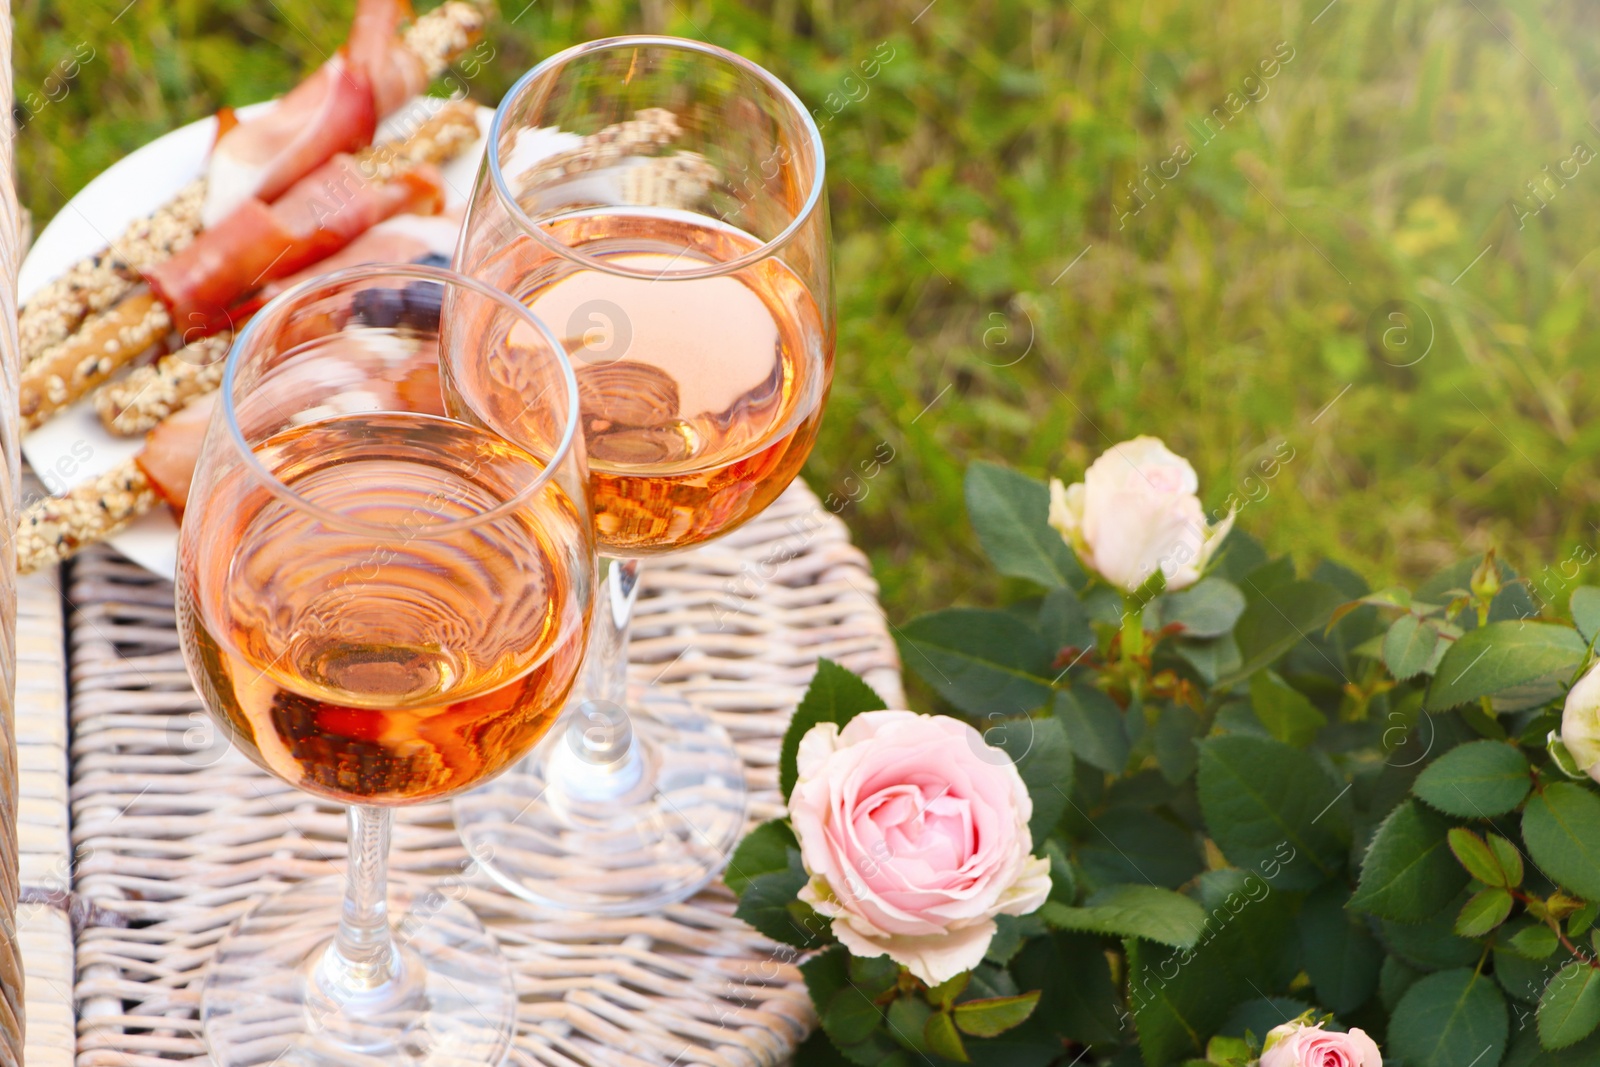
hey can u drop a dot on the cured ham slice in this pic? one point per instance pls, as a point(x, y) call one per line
point(172, 449)
point(380, 373)
point(331, 111)
point(257, 244)
point(394, 72)
point(337, 109)
point(401, 239)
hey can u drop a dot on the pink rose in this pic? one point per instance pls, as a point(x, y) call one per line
point(1137, 511)
point(915, 834)
point(1294, 1044)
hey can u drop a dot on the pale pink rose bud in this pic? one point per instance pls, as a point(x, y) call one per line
point(1294, 1044)
point(1135, 511)
point(915, 834)
point(1580, 723)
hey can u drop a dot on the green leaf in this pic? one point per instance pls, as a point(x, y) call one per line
point(1408, 646)
point(939, 1033)
point(980, 661)
point(850, 1017)
point(1135, 844)
point(1586, 611)
point(835, 695)
point(1561, 827)
point(996, 1015)
point(908, 1022)
point(1394, 978)
point(1094, 727)
point(1142, 911)
point(1286, 712)
point(1569, 1010)
point(1477, 857)
point(1179, 996)
point(1011, 514)
point(1210, 659)
point(1086, 1007)
point(1483, 911)
point(1527, 1052)
point(1432, 945)
point(847, 1014)
point(1449, 1019)
point(1272, 806)
point(1209, 608)
point(1502, 656)
point(1578, 922)
point(1408, 873)
point(768, 901)
point(765, 850)
point(1534, 942)
point(873, 975)
point(1276, 618)
point(1039, 749)
point(1341, 956)
point(1477, 780)
point(945, 993)
point(768, 904)
point(1064, 621)
point(1174, 736)
point(1509, 859)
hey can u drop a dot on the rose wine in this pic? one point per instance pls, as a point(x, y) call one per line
point(700, 397)
point(373, 653)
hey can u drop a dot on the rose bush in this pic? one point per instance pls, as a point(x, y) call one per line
point(915, 835)
point(1263, 792)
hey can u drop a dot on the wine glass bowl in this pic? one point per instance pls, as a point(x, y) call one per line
point(383, 604)
point(660, 203)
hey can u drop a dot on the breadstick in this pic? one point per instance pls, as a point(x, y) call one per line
point(55, 528)
point(99, 281)
point(110, 340)
point(134, 404)
point(104, 343)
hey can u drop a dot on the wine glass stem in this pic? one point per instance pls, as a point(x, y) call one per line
point(609, 682)
point(363, 950)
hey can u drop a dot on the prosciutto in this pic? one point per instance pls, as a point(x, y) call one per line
point(259, 243)
point(337, 109)
point(380, 374)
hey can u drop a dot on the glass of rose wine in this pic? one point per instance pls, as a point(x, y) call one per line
point(660, 203)
point(381, 604)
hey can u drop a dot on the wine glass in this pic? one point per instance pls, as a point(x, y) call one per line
point(660, 203)
point(380, 604)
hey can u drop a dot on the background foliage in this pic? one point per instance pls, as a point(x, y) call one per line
point(1251, 292)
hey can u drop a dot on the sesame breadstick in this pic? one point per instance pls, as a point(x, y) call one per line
point(134, 404)
point(55, 528)
point(104, 343)
point(650, 127)
point(99, 281)
point(110, 340)
point(146, 395)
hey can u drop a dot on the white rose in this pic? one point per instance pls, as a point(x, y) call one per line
point(1580, 723)
point(1136, 510)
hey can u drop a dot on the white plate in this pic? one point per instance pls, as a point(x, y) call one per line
point(73, 447)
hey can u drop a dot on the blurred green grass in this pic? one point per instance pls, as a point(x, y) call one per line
point(1302, 237)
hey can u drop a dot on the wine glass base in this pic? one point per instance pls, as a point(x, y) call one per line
point(452, 1000)
point(549, 834)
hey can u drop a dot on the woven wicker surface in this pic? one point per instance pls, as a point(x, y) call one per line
point(43, 927)
point(13, 933)
point(175, 838)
